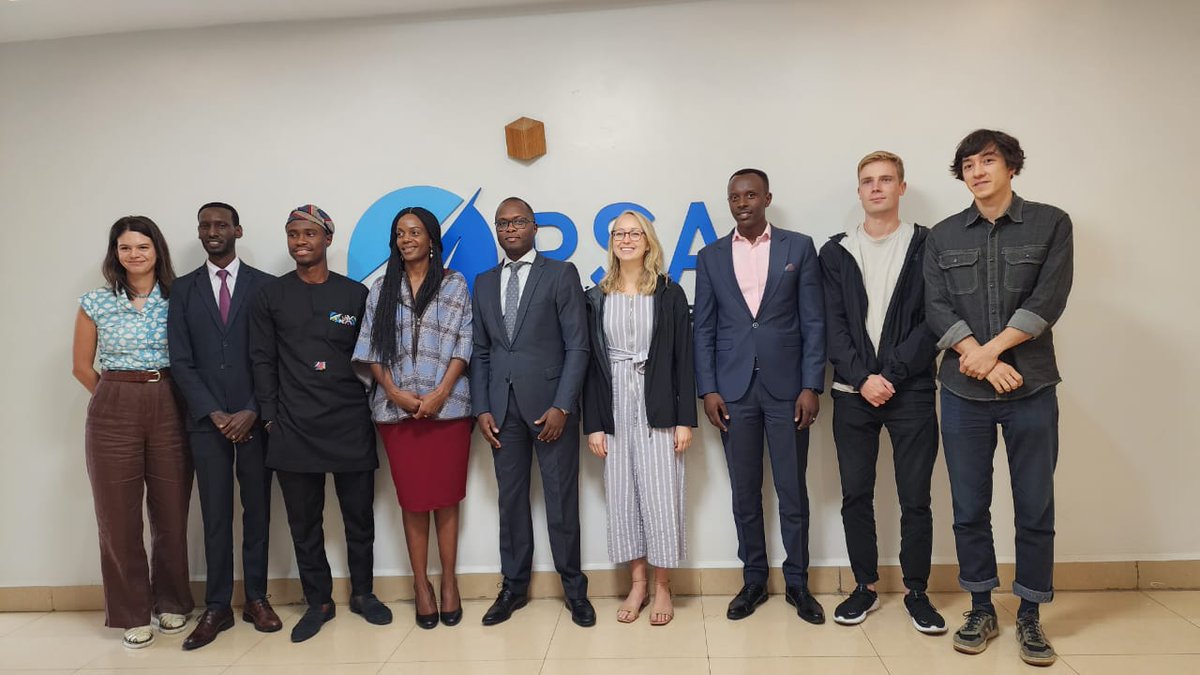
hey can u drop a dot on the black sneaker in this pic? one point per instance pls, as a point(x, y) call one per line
point(855, 608)
point(1035, 648)
point(925, 617)
point(979, 627)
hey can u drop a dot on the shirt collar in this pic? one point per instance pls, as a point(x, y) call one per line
point(765, 236)
point(527, 258)
point(232, 268)
point(1015, 208)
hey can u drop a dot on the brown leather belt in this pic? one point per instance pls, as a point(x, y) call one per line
point(142, 376)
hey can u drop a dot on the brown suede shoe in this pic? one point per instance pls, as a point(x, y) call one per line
point(259, 613)
point(211, 623)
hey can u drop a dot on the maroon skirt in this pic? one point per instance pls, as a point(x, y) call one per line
point(428, 459)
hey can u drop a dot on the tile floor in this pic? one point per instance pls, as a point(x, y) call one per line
point(1101, 633)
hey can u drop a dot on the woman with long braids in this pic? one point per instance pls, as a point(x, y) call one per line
point(417, 338)
point(133, 440)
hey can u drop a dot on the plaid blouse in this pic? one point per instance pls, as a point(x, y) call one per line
point(444, 334)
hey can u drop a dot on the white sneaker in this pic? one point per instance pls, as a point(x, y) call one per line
point(138, 637)
point(170, 624)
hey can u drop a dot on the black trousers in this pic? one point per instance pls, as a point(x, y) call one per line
point(304, 497)
point(559, 465)
point(911, 422)
point(217, 460)
point(751, 416)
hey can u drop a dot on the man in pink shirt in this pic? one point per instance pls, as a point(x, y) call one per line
point(760, 365)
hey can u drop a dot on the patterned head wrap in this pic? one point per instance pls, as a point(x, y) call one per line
point(313, 215)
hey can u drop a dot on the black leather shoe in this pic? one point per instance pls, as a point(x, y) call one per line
point(506, 603)
point(806, 605)
point(582, 612)
point(370, 608)
point(310, 624)
point(451, 617)
point(746, 601)
point(427, 621)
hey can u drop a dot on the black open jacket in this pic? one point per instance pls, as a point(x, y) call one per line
point(670, 374)
point(905, 355)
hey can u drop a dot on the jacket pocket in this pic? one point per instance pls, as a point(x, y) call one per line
point(553, 373)
point(1022, 265)
point(961, 270)
point(724, 345)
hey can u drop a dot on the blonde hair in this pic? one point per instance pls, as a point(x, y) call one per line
point(652, 261)
point(883, 156)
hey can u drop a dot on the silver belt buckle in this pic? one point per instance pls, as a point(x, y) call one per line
point(157, 376)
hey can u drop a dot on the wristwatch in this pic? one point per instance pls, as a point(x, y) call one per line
point(563, 411)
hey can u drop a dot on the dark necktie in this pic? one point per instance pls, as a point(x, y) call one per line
point(224, 296)
point(512, 297)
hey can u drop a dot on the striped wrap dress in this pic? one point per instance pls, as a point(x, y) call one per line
point(643, 475)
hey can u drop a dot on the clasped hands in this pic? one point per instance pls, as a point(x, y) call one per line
point(982, 362)
point(418, 405)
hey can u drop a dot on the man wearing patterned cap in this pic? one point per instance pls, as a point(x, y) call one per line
point(303, 330)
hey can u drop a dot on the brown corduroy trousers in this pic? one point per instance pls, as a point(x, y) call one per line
point(135, 448)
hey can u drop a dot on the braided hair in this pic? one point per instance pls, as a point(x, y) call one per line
point(384, 326)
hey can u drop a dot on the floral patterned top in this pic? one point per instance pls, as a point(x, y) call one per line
point(128, 338)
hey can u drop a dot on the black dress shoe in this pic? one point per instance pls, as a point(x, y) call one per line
point(310, 624)
point(370, 608)
point(452, 617)
point(506, 603)
point(582, 612)
point(746, 601)
point(427, 621)
point(806, 605)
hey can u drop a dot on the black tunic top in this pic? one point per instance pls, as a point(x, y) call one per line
point(301, 338)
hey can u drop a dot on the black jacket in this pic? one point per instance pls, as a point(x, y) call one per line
point(905, 355)
point(670, 374)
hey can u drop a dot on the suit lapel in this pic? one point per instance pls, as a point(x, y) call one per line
point(240, 290)
point(489, 286)
point(725, 259)
point(778, 258)
point(203, 286)
point(531, 284)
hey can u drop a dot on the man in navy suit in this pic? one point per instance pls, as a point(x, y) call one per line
point(208, 334)
point(760, 365)
point(527, 368)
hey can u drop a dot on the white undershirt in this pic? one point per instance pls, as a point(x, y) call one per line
point(215, 280)
point(522, 277)
point(880, 261)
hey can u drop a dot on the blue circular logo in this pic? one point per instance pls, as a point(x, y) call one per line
point(467, 241)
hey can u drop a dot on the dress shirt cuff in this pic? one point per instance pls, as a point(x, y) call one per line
point(954, 335)
point(1028, 322)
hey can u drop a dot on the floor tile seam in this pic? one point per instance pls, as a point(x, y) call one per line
point(1165, 606)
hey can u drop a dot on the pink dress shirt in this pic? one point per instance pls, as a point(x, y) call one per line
point(751, 259)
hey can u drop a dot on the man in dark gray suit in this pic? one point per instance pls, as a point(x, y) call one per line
point(208, 334)
point(527, 368)
point(760, 363)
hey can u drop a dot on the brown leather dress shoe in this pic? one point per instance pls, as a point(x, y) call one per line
point(211, 623)
point(259, 613)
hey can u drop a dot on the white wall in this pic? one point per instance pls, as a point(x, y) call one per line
point(654, 105)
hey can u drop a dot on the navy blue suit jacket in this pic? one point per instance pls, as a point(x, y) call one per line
point(786, 338)
point(547, 358)
point(210, 361)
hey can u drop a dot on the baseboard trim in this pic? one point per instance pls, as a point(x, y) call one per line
point(1068, 576)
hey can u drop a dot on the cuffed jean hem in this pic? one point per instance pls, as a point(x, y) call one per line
point(1032, 595)
point(979, 586)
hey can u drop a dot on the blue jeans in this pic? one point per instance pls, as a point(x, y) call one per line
point(1030, 428)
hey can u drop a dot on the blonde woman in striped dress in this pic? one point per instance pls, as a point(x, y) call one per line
point(639, 410)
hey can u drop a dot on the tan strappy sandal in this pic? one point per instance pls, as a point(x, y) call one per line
point(628, 615)
point(659, 618)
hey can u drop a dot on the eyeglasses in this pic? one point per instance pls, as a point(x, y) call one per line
point(631, 235)
point(514, 224)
